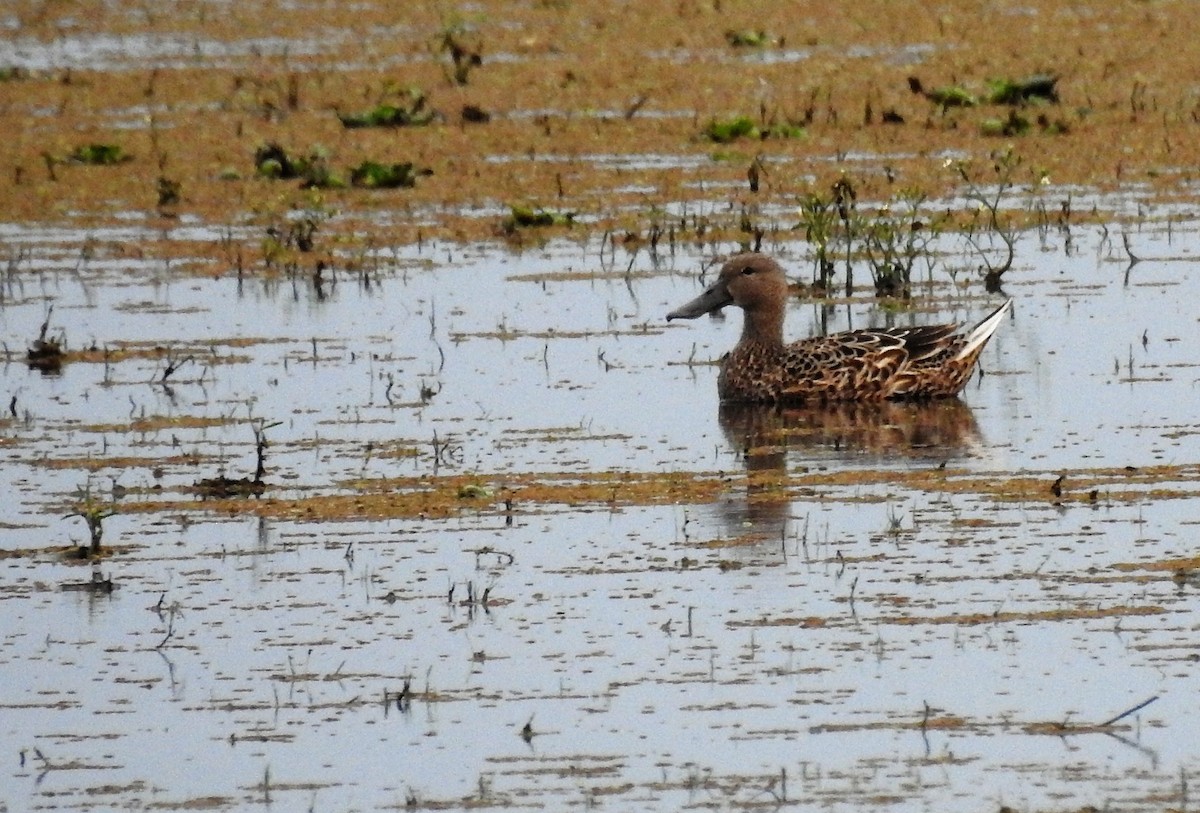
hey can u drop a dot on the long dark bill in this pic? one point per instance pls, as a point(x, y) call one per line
point(715, 297)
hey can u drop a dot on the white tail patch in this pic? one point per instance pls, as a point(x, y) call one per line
point(983, 331)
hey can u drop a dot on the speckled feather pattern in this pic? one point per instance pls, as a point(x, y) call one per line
point(863, 365)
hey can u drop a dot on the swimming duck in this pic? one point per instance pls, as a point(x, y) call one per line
point(932, 361)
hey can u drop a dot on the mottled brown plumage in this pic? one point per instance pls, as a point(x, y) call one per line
point(932, 361)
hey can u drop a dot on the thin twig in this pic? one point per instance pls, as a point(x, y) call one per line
point(1128, 712)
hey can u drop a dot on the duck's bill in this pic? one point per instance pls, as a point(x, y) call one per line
point(714, 298)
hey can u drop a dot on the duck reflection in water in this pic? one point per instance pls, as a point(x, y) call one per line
point(882, 433)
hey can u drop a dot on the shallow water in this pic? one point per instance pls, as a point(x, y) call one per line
point(830, 631)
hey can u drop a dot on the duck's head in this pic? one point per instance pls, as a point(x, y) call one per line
point(753, 282)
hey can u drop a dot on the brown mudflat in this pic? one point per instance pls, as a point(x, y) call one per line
point(593, 109)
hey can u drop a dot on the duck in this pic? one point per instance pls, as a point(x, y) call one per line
point(874, 364)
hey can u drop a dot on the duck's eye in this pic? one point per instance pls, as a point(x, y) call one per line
point(747, 271)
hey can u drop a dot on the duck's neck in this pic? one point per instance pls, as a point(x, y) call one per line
point(763, 326)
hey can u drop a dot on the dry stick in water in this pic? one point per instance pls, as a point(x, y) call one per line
point(1128, 712)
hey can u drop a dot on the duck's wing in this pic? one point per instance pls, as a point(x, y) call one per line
point(851, 365)
point(927, 342)
point(864, 364)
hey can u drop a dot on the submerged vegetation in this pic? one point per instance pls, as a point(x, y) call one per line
point(93, 512)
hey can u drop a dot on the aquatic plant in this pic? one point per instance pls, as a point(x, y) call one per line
point(894, 240)
point(45, 353)
point(943, 97)
point(173, 364)
point(1016, 125)
point(223, 487)
point(473, 491)
point(98, 154)
point(93, 513)
point(1039, 87)
point(1011, 125)
point(724, 131)
point(986, 217)
point(412, 113)
point(274, 162)
point(463, 57)
point(748, 38)
point(376, 175)
point(818, 219)
point(168, 191)
point(527, 217)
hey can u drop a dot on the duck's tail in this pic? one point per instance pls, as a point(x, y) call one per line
point(983, 331)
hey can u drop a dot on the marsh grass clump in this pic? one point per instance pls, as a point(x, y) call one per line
point(93, 512)
point(169, 191)
point(894, 239)
point(1015, 124)
point(223, 487)
point(528, 217)
point(943, 97)
point(819, 220)
point(100, 155)
point(411, 111)
point(988, 225)
point(377, 175)
point(464, 56)
point(1011, 125)
point(290, 235)
point(748, 38)
point(46, 353)
point(734, 128)
point(273, 161)
point(723, 131)
point(1040, 87)
point(891, 238)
